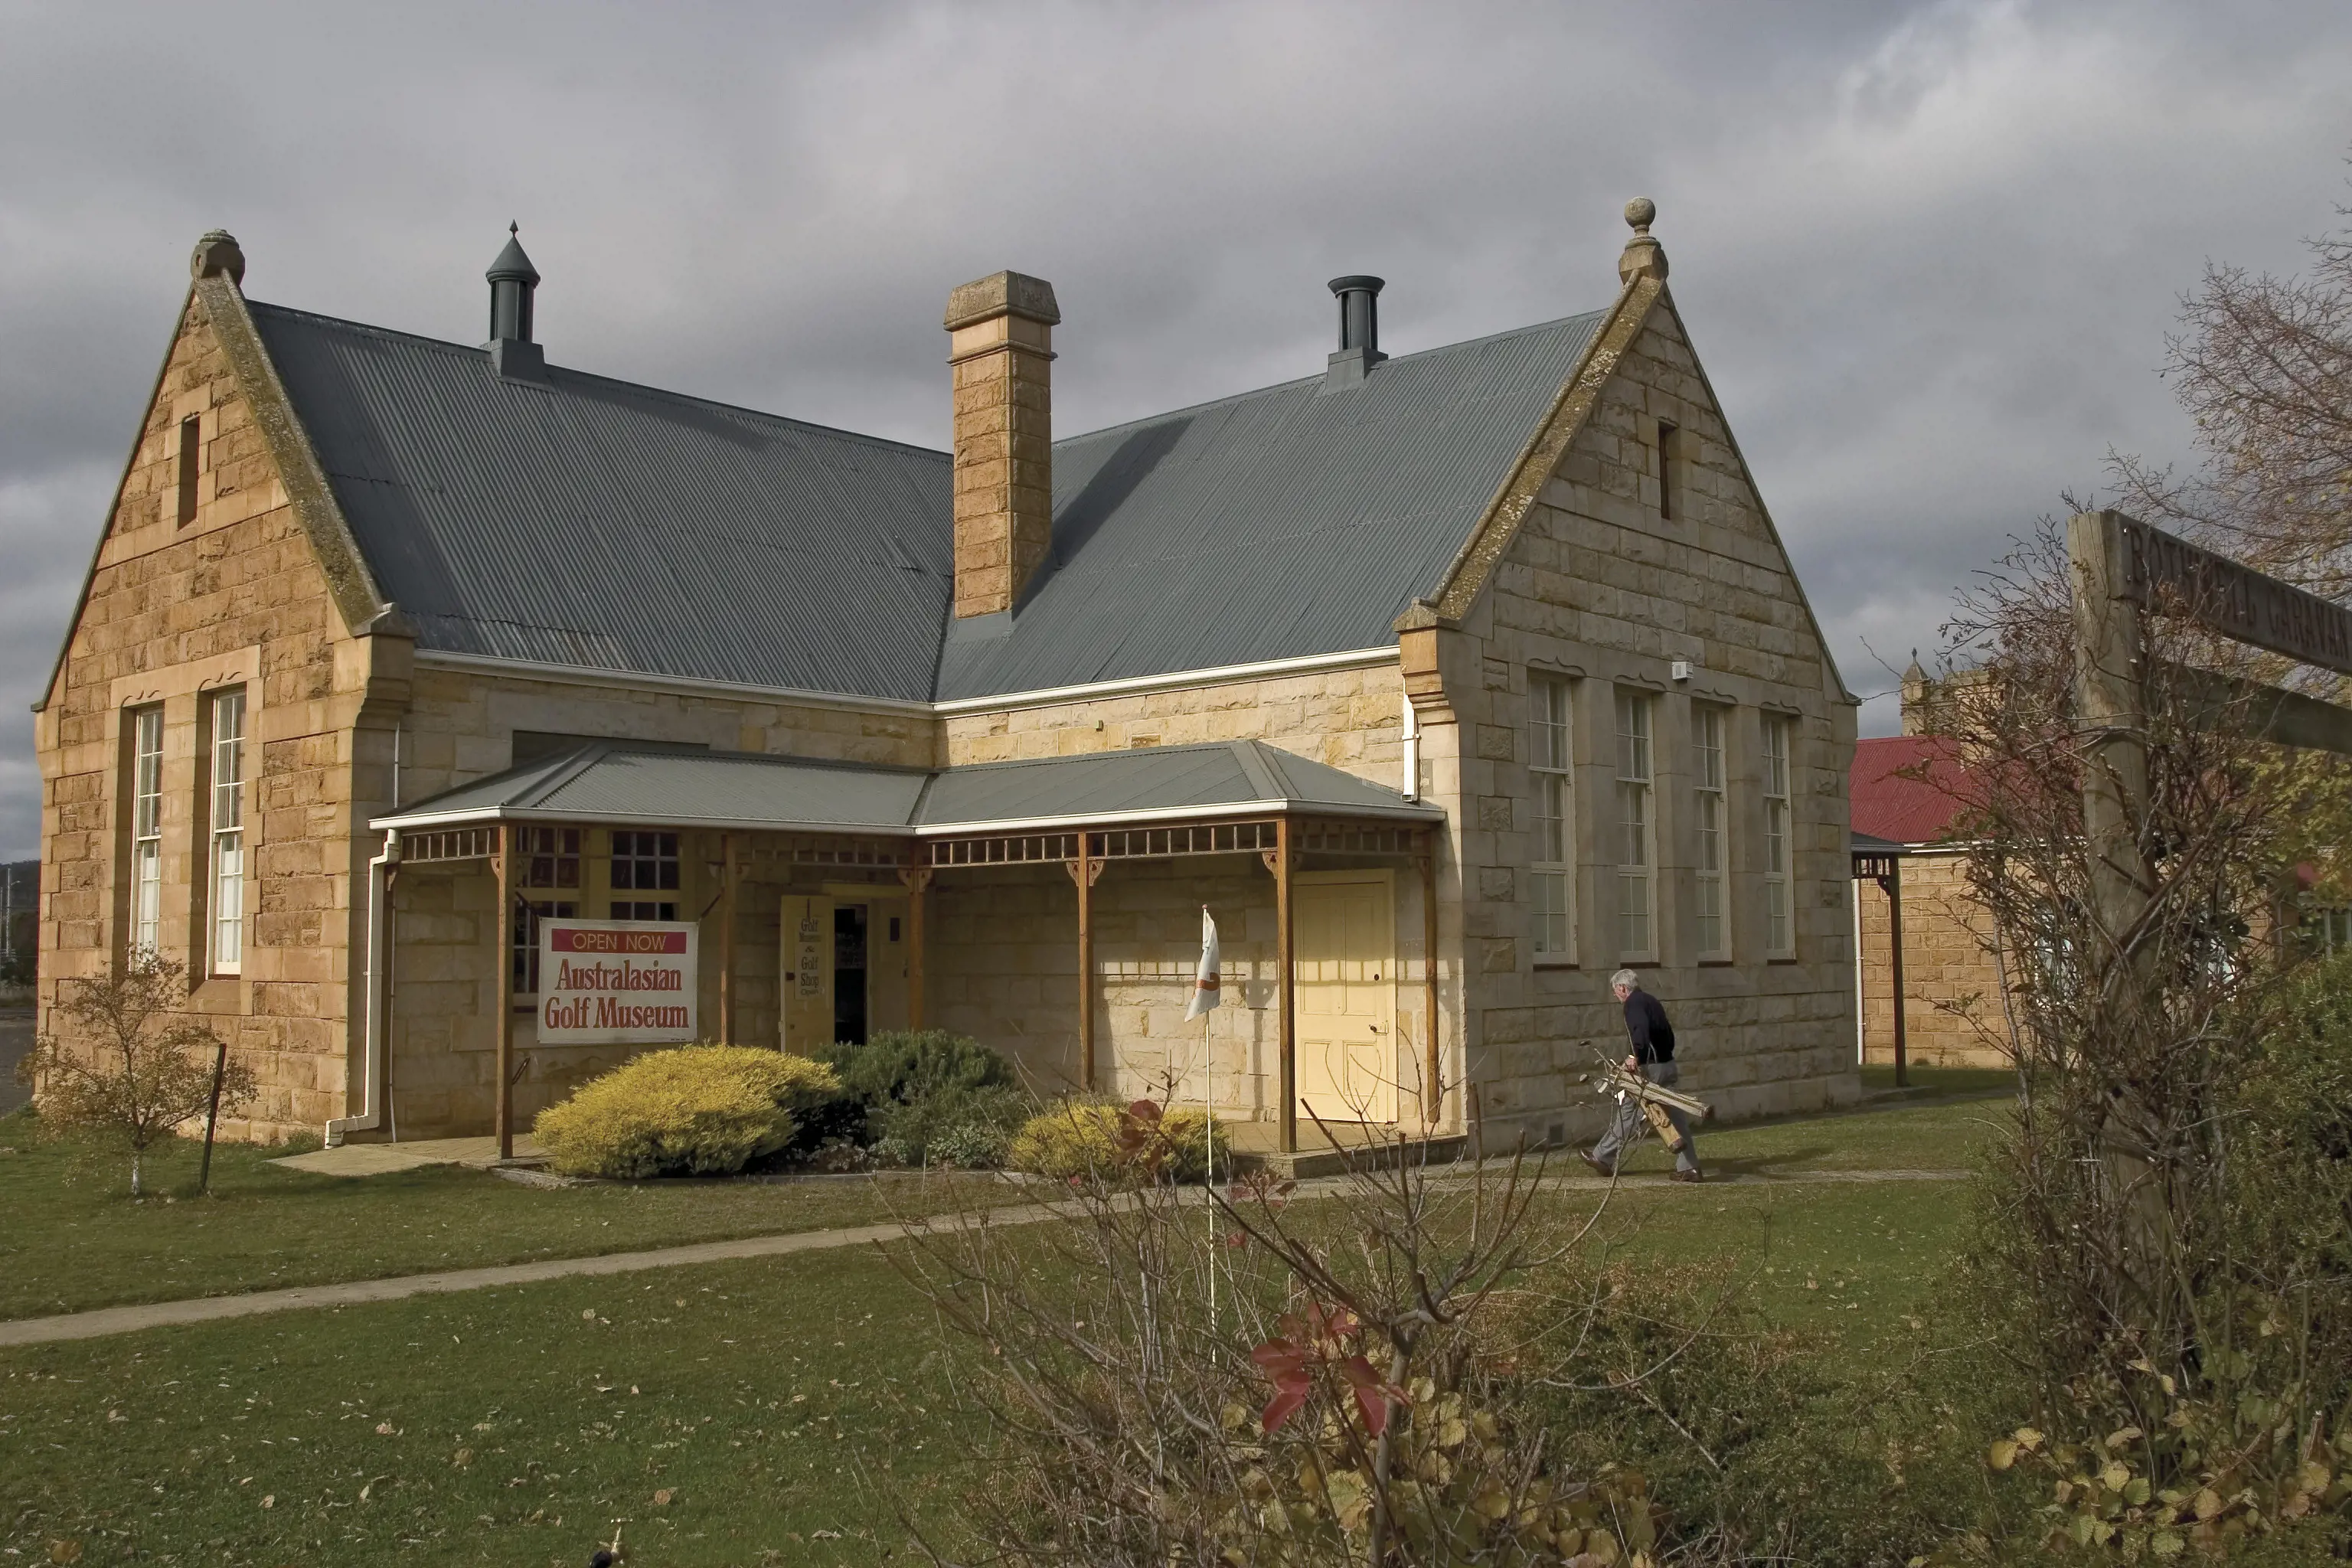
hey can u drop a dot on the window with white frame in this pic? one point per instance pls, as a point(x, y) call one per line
point(1637, 848)
point(1714, 941)
point(146, 830)
point(227, 900)
point(1779, 936)
point(1550, 868)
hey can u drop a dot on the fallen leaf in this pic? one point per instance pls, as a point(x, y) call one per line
point(662, 1497)
point(269, 1499)
point(65, 1551)
point(383, 1429)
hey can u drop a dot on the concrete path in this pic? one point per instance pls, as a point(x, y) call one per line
point(105, 1321)
point(379, 1159)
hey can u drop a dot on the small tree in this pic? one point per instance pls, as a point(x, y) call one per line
point(130, 1064)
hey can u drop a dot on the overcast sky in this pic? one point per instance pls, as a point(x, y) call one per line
point(1928, 254)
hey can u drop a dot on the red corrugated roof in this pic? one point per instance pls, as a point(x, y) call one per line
point(1908, 788)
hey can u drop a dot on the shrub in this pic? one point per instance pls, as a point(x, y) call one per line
point(704, 1110)
point(905, 1065)
point(1135, 1143)
point(970, 1128)
point(134, 1067)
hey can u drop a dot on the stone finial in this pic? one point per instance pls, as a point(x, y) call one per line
point(217, 253)
point(1643, 254)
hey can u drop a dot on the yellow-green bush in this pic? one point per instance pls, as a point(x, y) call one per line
point(704, 1109)
point(1132, 1142)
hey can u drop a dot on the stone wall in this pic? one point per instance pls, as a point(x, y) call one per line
point(1952, 1015)
point(1601, 590)
point(174, 613)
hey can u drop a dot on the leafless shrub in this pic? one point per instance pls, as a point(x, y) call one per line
point(1275, 1374)
point(130, 1064)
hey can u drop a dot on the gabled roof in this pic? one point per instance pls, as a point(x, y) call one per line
point(626, 782)
point(594, 523)
point(1909, 789)
point(1282, 523)
point(591, 522)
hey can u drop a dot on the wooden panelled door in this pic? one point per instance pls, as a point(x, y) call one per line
point(1347, 996)
point(805, 966)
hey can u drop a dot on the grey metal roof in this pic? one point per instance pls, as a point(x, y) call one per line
point(594, 523)
point(1276, 524)
point(621, 782)
point(591, 522)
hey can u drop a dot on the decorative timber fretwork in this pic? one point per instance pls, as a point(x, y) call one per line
point(1201, 838)
point(448, 844)
point(1358, 839)
point(1001, 849)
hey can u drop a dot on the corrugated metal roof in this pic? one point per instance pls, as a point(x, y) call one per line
point(616, 781)
point(1909, 789)
point(591, 522)
point(1276, 524)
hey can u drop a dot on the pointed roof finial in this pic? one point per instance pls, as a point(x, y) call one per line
point(1643, 254)
point(511, 262)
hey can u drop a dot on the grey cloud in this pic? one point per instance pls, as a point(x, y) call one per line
point(1928, 253)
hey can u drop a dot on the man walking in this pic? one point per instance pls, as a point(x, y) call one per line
point(1653, 1056)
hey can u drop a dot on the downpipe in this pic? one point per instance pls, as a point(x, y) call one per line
point(1411, 788)
point(370, 1117)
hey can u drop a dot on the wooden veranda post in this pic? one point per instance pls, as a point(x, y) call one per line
point(1893, 883)
point(726, 939)
point(1286, 967)
point(1433, 1093)
point(503, 957)
point(919, 880)
point(1084, 870)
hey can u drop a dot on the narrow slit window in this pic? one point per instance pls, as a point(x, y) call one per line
point(1707, 788)
point(192, 435)
point(1780, 937)
point(1670, 441)
point(226, 902)
point(1637, 851)
point(146, 831)
point(1549, 868)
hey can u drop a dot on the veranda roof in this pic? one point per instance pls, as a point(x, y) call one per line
point(647, 784)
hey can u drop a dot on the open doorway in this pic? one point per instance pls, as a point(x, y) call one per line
point(849, 973)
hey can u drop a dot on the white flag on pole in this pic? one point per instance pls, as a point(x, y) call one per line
point(1205, 980)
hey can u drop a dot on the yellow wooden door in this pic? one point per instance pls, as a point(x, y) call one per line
point(805, 967)
point(1346, 953)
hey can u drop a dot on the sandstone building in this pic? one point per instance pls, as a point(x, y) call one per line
point(1910, 792)
point(1449, 683)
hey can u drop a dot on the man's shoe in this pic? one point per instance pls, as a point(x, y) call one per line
point(1690, 1175)
point(1606, 1172)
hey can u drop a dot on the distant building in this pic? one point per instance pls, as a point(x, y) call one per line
point(1450, 682)
point(1910, 792)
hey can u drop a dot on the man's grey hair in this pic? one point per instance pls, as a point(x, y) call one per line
point(1627, 978)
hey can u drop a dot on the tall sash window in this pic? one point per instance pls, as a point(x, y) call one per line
point(1548, 868)
point(1636, 837)
point(226, 903)
point(146, 830)
point(1706, 791)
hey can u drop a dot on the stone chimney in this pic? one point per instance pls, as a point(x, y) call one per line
point(1001, 351)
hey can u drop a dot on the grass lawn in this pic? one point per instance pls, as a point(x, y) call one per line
point(775, 1402)
point(1926, 1080)
point(70, 1240)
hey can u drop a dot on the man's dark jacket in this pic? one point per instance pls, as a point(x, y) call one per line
point(1654, 1038)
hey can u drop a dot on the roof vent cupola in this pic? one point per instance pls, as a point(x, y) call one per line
point(512, 280)
point(1359, 330)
